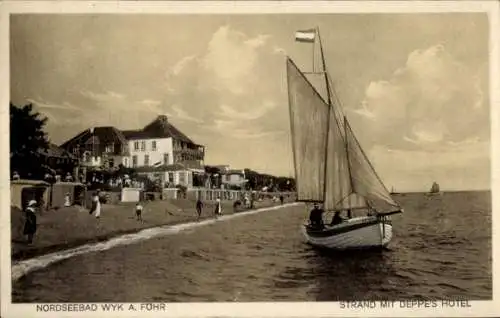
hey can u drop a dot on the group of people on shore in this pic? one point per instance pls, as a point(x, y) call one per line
point(200, 205)
point(30, 224)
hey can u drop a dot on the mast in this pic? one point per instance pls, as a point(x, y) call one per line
point(347, 155)
point(330, 109)
point(329, 112)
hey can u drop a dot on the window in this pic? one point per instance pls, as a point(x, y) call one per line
point(153, 145)
point(182, 177)
point(171, 177)
point(134, 161)
point(146, 160)
point(165, 158)
point(143, 146)
point(110, 148)
point(136, 145)
point(125, 162)
point(86, 156)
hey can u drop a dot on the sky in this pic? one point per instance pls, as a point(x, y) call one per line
point(413, 86)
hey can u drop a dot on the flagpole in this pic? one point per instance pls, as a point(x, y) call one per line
point(327, 82)
point(328, 123)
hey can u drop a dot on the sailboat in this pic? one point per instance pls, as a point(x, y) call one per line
point(393, 192)
point(435, 190)
point(331, 168)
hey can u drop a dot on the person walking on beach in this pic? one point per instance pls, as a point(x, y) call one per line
point(218, 207)
point(252, 199)
point(138, 211)
point(199, 208)
point(30, 222)
point(96, 205)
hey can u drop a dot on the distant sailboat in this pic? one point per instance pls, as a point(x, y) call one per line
point(332, 169)
point(394, 192)
point(435, 190)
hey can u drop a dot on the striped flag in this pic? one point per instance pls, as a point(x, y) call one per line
point(307, 36)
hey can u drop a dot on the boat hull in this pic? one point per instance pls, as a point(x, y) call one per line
point(434, 194)
point(357, 233)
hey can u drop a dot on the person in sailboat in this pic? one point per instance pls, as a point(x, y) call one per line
point(316, 217)
point(337, 219)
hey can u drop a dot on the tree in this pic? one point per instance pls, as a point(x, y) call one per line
point(214, 174)
point(27, 140)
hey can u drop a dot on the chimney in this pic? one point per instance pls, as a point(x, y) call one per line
point(162, 119)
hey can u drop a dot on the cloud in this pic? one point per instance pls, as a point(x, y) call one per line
point(48, 105)
point(260, 40)
point(179, 113)
point(150, 105)
point(433, 100)
point(255, 113)
point(179, 66)
point(103, 97)
point(231, 60)
point(234, 80)
point(111, 101)
point(150, 102)
point(237, 130)
point(279, 50)
point(463, 165)
point(231, 81)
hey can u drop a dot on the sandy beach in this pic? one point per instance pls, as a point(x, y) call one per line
point(73, 226)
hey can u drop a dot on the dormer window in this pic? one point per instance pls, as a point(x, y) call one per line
point(110, 148)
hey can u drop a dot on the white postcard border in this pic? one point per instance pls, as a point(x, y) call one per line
point(285, 309)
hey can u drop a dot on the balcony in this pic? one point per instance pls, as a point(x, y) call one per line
point(181, 155)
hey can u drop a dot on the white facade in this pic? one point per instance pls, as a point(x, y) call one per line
point(173, 178)
point(182, 177)
point(148, 152)
point(89, 160)
point(234, 178)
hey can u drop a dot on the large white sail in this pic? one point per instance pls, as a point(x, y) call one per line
point(322, 136)
point(337, 183)
point(308, 123)
point(365, 181)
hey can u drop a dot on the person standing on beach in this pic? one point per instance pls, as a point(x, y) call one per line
point(138, 211)
point(252, 200)
point(67, 200)
point(96, 205)
point(218, 207)
point(30, 222)
point(199, 207)
point(282, 198)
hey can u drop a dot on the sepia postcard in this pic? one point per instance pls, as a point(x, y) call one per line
point(241, 159)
